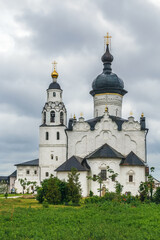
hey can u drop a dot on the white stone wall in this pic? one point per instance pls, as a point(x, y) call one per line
point(54, 95)
point(22, 174)
point(82, 141)
point(96, 166)
point(113, 101)
point(138, 173)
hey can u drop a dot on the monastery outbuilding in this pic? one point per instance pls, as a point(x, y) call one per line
point(90, 146)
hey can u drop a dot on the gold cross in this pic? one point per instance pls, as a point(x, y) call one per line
point(107, 38)
point(54, 64)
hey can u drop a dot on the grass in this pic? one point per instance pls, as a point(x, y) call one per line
point(25, 219)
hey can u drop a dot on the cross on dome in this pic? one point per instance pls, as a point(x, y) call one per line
point(107, 38)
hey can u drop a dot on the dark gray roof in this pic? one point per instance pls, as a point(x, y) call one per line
point(92, 122)
point(105, 151)
point(34, 162)
point(132, 160)
point(4, 178)
point(73, 162)
point(54, 85)
point(14, 174)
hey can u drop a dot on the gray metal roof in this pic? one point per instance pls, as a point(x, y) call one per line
point(34, 162)
point(73, 162)
point(14, 174)
point(132, 160)
point(105, 151)
point(4, 178)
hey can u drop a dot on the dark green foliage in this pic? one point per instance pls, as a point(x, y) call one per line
point(119, 188)
point(74, 187)
point(156, 196)
point(45, 204)
point(91, 194)
point(52, 190)
point(56, 191)
point(109, 196)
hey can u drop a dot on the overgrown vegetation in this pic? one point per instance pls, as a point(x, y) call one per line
point(23, 219)
point(55, 191)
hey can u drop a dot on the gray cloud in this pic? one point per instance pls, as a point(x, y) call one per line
point(33, 34)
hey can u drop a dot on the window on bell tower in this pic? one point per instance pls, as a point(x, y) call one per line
point(44, 117)
point(61, 118)
point(58, 135)
point(54, 94)
point(47, 135)
point(52, 116)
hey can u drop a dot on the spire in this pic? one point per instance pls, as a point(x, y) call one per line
point(107, 58)
point(54, 74)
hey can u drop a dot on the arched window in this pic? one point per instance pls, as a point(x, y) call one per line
point(52, 116)
point(44, 117)
point(58, 135)
point(47, 174)
point(47, 135)
point(130, 178)
point(54, 94)
point(61, 118)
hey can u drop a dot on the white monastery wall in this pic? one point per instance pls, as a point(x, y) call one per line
point(82, 141)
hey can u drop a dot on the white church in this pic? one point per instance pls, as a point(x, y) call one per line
point(90, 146)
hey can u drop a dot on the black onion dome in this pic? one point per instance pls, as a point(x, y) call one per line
point(54, 85)
point(107, 82)
point(107, 57)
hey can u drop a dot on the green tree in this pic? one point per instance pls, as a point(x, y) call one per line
point(74, 186)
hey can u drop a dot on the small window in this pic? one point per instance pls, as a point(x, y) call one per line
point(47, 135)
point(61, 117)
point(27, 172)
point(60, 94)
point(35, 172)
point(130, 178)
point(51, 156)
point(56, 158)
point(31, 187)
point(48, 94)
point(58, 135)
point(54, 94)
point(44, 117)
point(103, 174)
point(47, 174)
point(52, 116)
point(113, 178)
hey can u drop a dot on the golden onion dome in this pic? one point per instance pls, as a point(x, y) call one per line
point(54, 74)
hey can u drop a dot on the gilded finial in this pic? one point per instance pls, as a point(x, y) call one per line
point(81, 114)
point(107, 38)
point(54, 74)
point(131, 113)
point(106, 108)
point(142, 115)
point(74, 117)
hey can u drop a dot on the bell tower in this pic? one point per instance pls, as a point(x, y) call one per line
point(52, 137)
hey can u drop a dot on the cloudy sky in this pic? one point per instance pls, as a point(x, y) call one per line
point(33, 33)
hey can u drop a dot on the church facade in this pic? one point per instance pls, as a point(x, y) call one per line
point(91, 146)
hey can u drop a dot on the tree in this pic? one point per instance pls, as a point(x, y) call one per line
point(24, 183)
point(74, 186)
point(146, 188)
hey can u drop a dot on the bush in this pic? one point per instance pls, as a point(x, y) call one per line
point(156, 196)
point(94, 199)
point(109, 196)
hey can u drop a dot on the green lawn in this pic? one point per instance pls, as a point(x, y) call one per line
point(27, 219)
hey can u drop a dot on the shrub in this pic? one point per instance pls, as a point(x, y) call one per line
point(109, 196)
point(156, 197)
point(74, 187)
